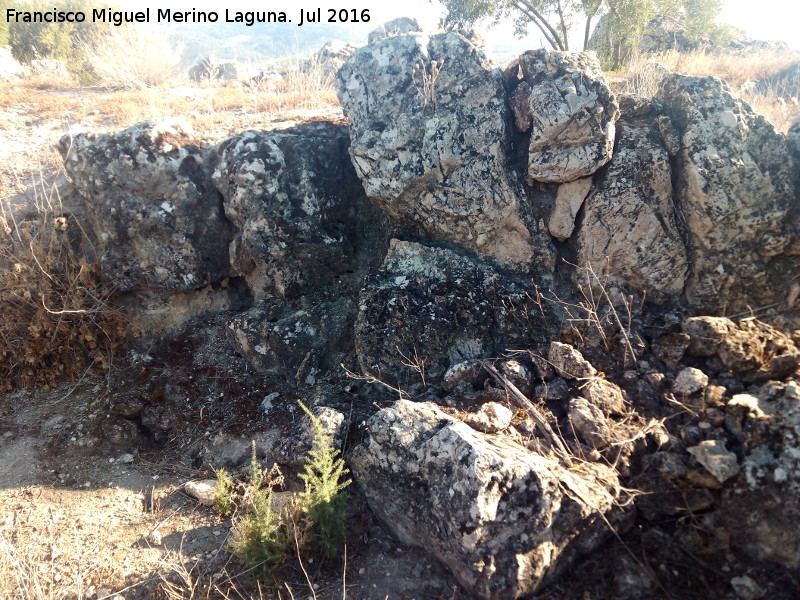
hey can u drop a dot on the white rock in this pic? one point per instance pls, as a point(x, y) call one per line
point(716, 459)
point(569, 199)
point(746, 588)
point(689, 381)
point(491, 418)
point(155, 537)
point(204, 491)
point(569, 362)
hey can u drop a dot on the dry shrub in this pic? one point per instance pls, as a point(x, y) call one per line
point(132, 58)
point(57, 322)
point(743, 73)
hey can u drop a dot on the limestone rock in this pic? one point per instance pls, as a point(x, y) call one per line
point(706, 334)
point(735, 191)
point(151, 204)
point(751, 349)
point(569, 362)
point(295, 343)
point(503, 519)
point(569, 199)
point(589, 422)
point(670, 348)
point(571, 111)
point(762, 506)
point(329, 59)
point(746, 588)
point(664, 34)
point(467, 371)
point(491, 418)
point(210, 68)
point(204, 491)
point(301, 216)
point(433, 305)
point(397, 26)
point(717, 460)
point(605, 395)
point(629, 231)
point(429, 138)
point(689, 381)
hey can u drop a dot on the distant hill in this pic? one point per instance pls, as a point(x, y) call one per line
point(272, 43)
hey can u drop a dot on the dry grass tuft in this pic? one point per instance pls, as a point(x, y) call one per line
point(57, 323)
point(132, 58)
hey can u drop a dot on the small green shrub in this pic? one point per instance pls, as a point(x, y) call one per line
point(323, 499)
point(259, 537)
point(314, 521)
point(223, 493)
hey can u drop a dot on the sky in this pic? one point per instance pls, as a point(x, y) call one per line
point(765, 19)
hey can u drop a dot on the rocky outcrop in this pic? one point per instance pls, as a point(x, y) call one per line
point(10, 69)
point(630, 229)
point(300, 214)
point(429, 137)
point(210, 68)
point(663, 34)
point(156, 216)
point(397, 26)
point(437, 308)
point(329, 59)
point(563, 99)
point(48, 68)
point(502, 518)
point(306, 236)
point(735, 191)
point(295, 343)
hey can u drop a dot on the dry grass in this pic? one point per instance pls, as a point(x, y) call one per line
point(741, 73)
point(207, 108)
point(133, 57)
point(33, 575)
point(45, 98)
point(57, 319)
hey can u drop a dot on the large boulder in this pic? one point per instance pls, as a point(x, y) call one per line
point(438, 308)
point(735, 191)
point(630, 228)
point(563, 99)
point(502, 518)
point(302, 219)
point(429, 125)
point(157, 218)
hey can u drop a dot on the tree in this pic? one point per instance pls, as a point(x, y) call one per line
point(4, 4)
point(30, 41)
point(625, 20)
